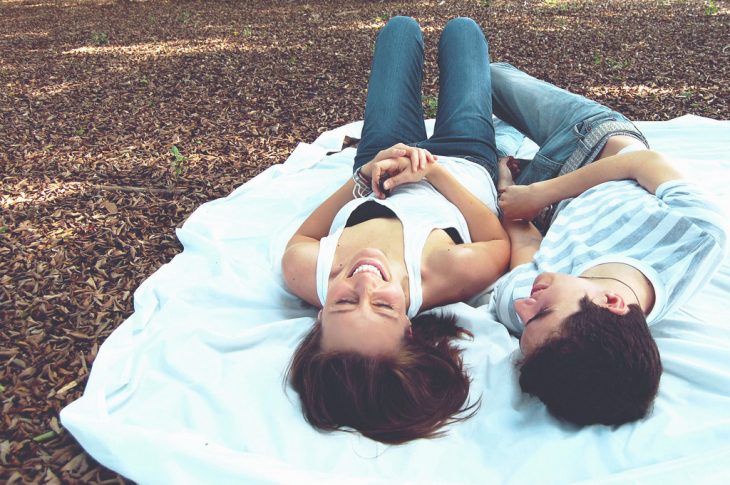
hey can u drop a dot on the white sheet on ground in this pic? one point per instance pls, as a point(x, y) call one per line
point(189, 389)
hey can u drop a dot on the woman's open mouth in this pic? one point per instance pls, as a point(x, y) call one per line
point(369, 267)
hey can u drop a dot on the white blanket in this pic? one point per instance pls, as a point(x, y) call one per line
point(190, 388)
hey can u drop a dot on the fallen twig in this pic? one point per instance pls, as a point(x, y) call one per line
point(129, 188)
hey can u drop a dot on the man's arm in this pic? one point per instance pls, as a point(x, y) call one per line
point(649, 168)
point(524, 237)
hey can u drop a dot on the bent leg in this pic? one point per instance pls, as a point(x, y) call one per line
point(393, 110)
point(464, 125)
point(507, 138)
point(559, 121)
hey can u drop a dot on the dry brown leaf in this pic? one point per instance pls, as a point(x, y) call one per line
point(74, 248)
point(110, 207)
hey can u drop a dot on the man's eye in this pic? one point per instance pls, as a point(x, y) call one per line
point(345, 302)
point(543, 313)
point(384, 305)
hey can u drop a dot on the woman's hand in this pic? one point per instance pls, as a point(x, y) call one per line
point(398, 164)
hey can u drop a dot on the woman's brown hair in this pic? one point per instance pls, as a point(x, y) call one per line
point(392, 399)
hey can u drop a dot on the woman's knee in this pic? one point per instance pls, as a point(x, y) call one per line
point(464, 30)
point(461, 23)
point(402, 24)
point(463, 26)
point(400, 31)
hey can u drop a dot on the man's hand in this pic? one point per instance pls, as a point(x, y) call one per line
point(516, 201)
point(525, 239)
point(520, 202)
point(505, 172)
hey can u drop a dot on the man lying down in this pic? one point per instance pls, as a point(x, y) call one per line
point(635, 243)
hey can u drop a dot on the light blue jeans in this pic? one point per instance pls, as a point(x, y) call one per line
point(569, 129)
point(394, 110)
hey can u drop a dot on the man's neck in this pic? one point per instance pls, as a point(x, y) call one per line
point(629, 278)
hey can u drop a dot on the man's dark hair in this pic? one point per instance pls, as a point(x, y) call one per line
point(602, 368)
point(393, 399)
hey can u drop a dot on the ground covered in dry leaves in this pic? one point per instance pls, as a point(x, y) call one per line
point(118, 119)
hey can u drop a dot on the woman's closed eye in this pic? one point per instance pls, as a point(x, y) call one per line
point(349, 301)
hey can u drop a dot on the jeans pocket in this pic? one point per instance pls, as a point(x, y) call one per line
point(582, 128)
point(541, 168)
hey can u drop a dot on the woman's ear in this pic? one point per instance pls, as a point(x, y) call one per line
point(615, 303)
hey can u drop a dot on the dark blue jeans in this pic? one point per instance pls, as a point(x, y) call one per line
point(394, 110)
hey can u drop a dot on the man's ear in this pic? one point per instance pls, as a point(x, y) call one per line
point(614, 303)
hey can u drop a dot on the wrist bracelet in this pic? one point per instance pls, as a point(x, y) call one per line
point(362, 187)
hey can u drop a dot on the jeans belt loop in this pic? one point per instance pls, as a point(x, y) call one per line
point(596, 138)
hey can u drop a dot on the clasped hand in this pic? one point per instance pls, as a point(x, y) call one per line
point(520, 202)
point(516, 201)
point(399, 164)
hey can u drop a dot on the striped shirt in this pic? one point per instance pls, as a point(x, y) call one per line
point(676, 238)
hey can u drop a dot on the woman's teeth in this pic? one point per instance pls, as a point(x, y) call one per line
point(369, 268)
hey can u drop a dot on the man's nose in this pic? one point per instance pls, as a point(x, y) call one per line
point(526, 308)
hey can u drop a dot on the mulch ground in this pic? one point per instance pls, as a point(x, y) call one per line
point(118, 119)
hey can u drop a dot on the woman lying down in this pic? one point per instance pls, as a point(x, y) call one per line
point(416, 227)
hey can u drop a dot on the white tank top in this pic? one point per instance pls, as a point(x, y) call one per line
point(421, 209)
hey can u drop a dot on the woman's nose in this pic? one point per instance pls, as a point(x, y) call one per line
point(365, 284)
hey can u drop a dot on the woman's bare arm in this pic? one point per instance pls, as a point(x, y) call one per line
point(482, 222)
point(299, 263)
point(318, 224)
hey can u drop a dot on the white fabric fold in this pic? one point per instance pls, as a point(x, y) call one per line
point(190, 388)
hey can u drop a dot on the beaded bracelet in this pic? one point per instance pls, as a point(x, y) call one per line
point(362, 186)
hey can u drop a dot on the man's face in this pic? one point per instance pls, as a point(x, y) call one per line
point(554, 297)
point(366, 307)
